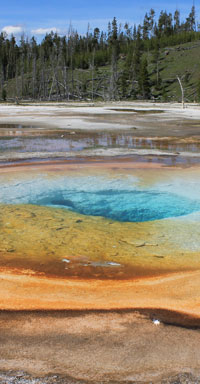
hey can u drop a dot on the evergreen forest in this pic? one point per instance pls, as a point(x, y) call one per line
point(136, 62)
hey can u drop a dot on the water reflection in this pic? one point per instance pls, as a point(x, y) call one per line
point(60, 141)
point(36, 143)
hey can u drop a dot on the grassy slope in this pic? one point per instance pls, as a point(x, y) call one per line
point(181, 60)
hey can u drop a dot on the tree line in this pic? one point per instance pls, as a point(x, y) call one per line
point(111, 65)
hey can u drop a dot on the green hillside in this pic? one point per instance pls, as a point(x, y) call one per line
point(181, 60)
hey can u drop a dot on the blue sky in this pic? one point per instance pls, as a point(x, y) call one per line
point(38, 16)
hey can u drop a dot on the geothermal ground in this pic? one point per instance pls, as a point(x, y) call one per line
point(88, 292)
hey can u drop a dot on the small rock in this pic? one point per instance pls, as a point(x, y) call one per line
point(156, 321)
point(66, 260)
point(138, 245)
point(160, 257)
point(112, 263)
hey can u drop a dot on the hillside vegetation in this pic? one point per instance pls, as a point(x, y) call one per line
point(129, 62)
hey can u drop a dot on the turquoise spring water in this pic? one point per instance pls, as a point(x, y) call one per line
point(120, 199)
point(132, 206)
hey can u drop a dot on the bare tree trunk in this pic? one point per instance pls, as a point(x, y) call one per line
point(52, 84)
point(72, 74)
point(113, 77)
point(182, 91)
point(93, 74)
point(157, 72)
point(33, 76)
point(58, 93)
point(22, 74)
point(65, 81)
point(2, 78)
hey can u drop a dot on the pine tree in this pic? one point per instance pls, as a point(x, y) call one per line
point(165, 24)
point(134, 32)
point(151, 20)
point(146, 27)
point(114, 30)
point(114, 57)
point(176, 21)
point(4, 94)
point(190, 20)
point(148, 24)
point(144, 85)
point(124, 83)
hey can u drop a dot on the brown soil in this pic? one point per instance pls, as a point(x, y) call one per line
point(96, 347)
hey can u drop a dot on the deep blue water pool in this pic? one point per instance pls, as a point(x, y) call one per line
point(132, 206)
point(119, 199)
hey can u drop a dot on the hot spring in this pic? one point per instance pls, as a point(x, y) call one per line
point(122, 199)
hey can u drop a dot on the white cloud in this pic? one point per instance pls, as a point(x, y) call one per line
point(43, 31)
point(12, 29)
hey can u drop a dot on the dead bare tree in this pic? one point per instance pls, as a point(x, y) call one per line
point(182, 91)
